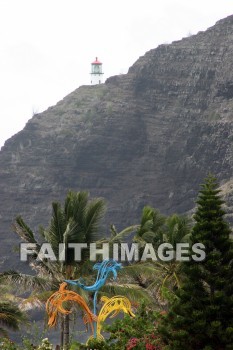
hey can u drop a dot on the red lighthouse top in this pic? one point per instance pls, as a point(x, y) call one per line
point(96, 61)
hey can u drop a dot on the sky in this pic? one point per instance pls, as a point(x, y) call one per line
point(47, 46)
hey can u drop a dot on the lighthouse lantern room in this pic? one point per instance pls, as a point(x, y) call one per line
point(96, 72)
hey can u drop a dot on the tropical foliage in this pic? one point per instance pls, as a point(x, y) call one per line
point(10, 317)
point(178, 305)
point(77, 221)
point(159, 278)
point(129, 333)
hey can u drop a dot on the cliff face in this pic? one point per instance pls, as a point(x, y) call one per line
point(146, 137)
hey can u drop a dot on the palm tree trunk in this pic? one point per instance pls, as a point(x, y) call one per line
point(67, 317)
point(62, 333)
point(66, 332)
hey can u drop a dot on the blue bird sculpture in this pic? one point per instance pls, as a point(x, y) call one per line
point(104, 269)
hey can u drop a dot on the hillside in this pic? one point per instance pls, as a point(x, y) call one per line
point(147, 137)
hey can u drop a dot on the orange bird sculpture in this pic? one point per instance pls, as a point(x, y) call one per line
point(54, 306)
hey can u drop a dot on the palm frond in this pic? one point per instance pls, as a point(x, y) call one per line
point(149, 271)
point(31, 303)
point(151, 220)
point(133, 292)
point(54, 234)
point(154, 286)
point(177, 229)
point(24, 231)
point(84, 269)
point(10, 316)
point(34, 301)
point(3, 332)
point(44, 267)
point(75, 205)
point(73, 233)
point(149, 236)
point(93, 215)
point(24, 281)
point(119, 236)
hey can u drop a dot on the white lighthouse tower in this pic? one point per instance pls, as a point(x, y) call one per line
point(96, 72)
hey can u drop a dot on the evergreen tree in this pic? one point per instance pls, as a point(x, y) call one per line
point(201, 318)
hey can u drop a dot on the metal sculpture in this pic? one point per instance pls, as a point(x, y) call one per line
point(54, 305)
point(105, 268)
point(112, 307)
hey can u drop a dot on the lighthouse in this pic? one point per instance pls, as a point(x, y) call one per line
point(96, 72)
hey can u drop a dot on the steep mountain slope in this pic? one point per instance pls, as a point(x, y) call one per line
point(146, 137)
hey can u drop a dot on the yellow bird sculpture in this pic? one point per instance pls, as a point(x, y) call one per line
point(112, 306)
point(54, 305)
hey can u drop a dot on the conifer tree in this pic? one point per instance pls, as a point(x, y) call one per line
point(202, 316)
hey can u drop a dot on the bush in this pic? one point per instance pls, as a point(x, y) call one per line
point(45, 345)
point(136, 333)
point(7, 344)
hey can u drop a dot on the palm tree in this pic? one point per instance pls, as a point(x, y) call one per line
point(122, 286)
point(76, 222)
point(10, 314)
point(177, 230)
point(158, 278)
point(151, 227)
point(10, 317)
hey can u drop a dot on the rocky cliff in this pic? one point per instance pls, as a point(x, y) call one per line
point(146, 137)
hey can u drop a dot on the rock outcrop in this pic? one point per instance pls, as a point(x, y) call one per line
point(146, 137)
